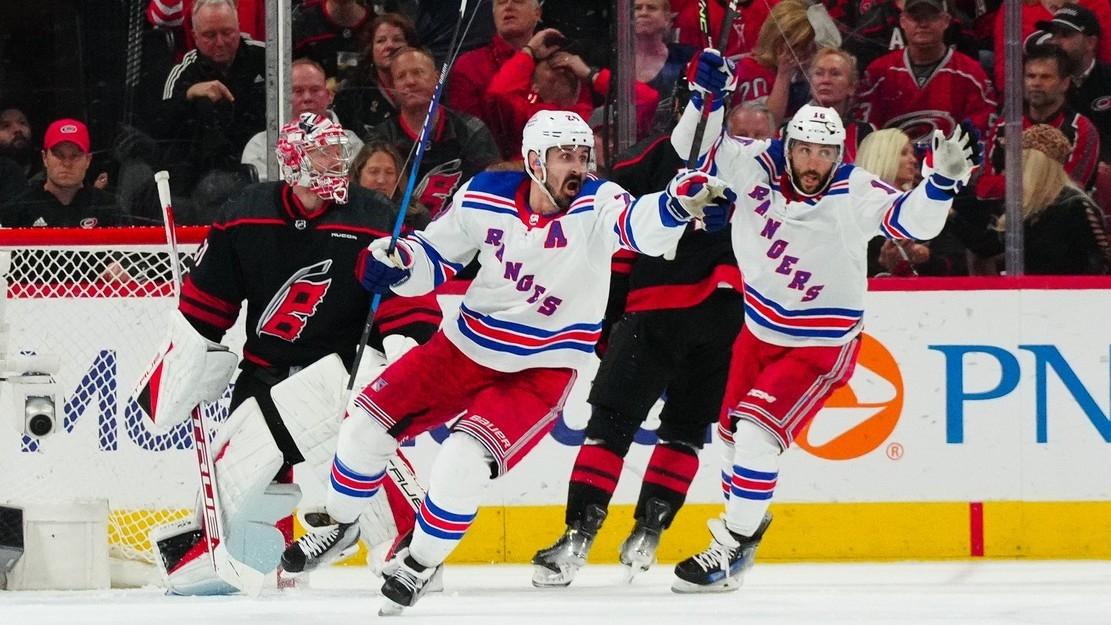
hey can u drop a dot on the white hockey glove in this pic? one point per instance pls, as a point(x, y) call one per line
point(694, 194)
point(949, 165)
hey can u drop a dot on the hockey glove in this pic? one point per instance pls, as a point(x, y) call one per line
point(710, 73)
point(378, 271)
point(951, 161)
point(694, 194)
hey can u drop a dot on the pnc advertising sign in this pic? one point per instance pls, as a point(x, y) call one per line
point(862, 414)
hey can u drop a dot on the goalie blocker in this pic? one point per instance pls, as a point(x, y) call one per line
point(310, 405)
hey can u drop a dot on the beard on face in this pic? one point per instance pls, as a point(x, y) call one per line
point(567, 190)
point(19, 150)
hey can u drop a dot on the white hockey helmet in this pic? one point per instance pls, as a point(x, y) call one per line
point(816, 124)
point(552, 129)
point(299, 141)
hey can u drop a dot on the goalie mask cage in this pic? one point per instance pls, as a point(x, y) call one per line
point(97, 300)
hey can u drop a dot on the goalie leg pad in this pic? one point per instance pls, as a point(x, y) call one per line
point(189, 369)
point(311, 404)
point(245, 465)
point(184, 561)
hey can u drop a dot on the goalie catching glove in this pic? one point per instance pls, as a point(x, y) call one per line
point(189, 369)
point(694, 194)
point(949, 164)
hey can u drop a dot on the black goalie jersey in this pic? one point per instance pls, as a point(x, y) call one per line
point(296, 272)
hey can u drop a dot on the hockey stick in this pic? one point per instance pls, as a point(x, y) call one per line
point(226, 567)
point(708, 100)
point(457, 36)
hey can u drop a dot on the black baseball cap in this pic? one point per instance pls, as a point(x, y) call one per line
point(939, 5)
point(1071, 18)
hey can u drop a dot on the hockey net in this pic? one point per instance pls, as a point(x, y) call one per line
point(97, 301)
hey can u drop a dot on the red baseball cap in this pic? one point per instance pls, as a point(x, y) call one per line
point(63, 130)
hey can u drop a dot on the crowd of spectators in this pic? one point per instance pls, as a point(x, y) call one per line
point(895, 70)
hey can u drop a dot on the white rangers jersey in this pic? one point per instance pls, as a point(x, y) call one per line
point(540, 296)
point(803, 260)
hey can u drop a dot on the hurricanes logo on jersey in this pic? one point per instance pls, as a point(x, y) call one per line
point(296, 302)
point(438, 185)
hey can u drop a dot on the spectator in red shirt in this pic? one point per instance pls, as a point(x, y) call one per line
point(743, 34)
point(928, 85)
point(834, 78)
point(783, 48)
point(545, 77)
point(1046, 81)
point(514, 23)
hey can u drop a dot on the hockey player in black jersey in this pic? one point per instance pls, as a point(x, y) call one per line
point(288, 249)
point(670, 327)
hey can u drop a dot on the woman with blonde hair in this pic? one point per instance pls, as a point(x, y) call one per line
point(785, 42)
point(890, 155)
point(1062, 226)
point(833, 78)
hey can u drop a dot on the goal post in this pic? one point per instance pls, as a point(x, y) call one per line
point(96, 302)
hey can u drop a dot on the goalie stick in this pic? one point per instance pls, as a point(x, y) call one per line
point(227, 567)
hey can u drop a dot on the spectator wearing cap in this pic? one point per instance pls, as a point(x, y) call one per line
point(1036, 14)
point(63, 200)
point(1075, 30)
point(514, 24)
point(1063, 232)
point(310, 95)
point(928, 85)
point(214, 101)
point(1046, 79)
point(543, 76)
point(873, 30)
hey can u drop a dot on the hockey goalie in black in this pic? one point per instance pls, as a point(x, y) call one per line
point(289, 250)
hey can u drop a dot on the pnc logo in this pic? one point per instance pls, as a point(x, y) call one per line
point(861, 415)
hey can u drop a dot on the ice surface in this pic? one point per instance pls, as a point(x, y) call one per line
point(973, 593)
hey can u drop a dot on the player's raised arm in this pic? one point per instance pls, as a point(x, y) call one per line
point(921, 212)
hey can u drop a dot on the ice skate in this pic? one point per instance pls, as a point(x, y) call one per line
point(557, 565)
point(638, 552)
point(721, 567)
point(406, 581)
point(327, 541)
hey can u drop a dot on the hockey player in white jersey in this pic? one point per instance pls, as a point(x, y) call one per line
point(800, 230)
point(544, 238)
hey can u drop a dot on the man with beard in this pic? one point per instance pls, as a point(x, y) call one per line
point(15, 141)
point(800, 230)
point(459, 147)
point(544, 238)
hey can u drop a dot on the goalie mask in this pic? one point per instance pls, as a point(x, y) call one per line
point(821, 126)
point(555, 129)
point(313, 153)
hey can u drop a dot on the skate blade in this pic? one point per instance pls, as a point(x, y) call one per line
point(543, 577)
point(390, 608)
point(683, 587)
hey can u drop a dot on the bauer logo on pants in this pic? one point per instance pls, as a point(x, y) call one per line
point(861, 415)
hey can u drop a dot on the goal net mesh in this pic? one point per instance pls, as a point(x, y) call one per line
point(97, 301)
